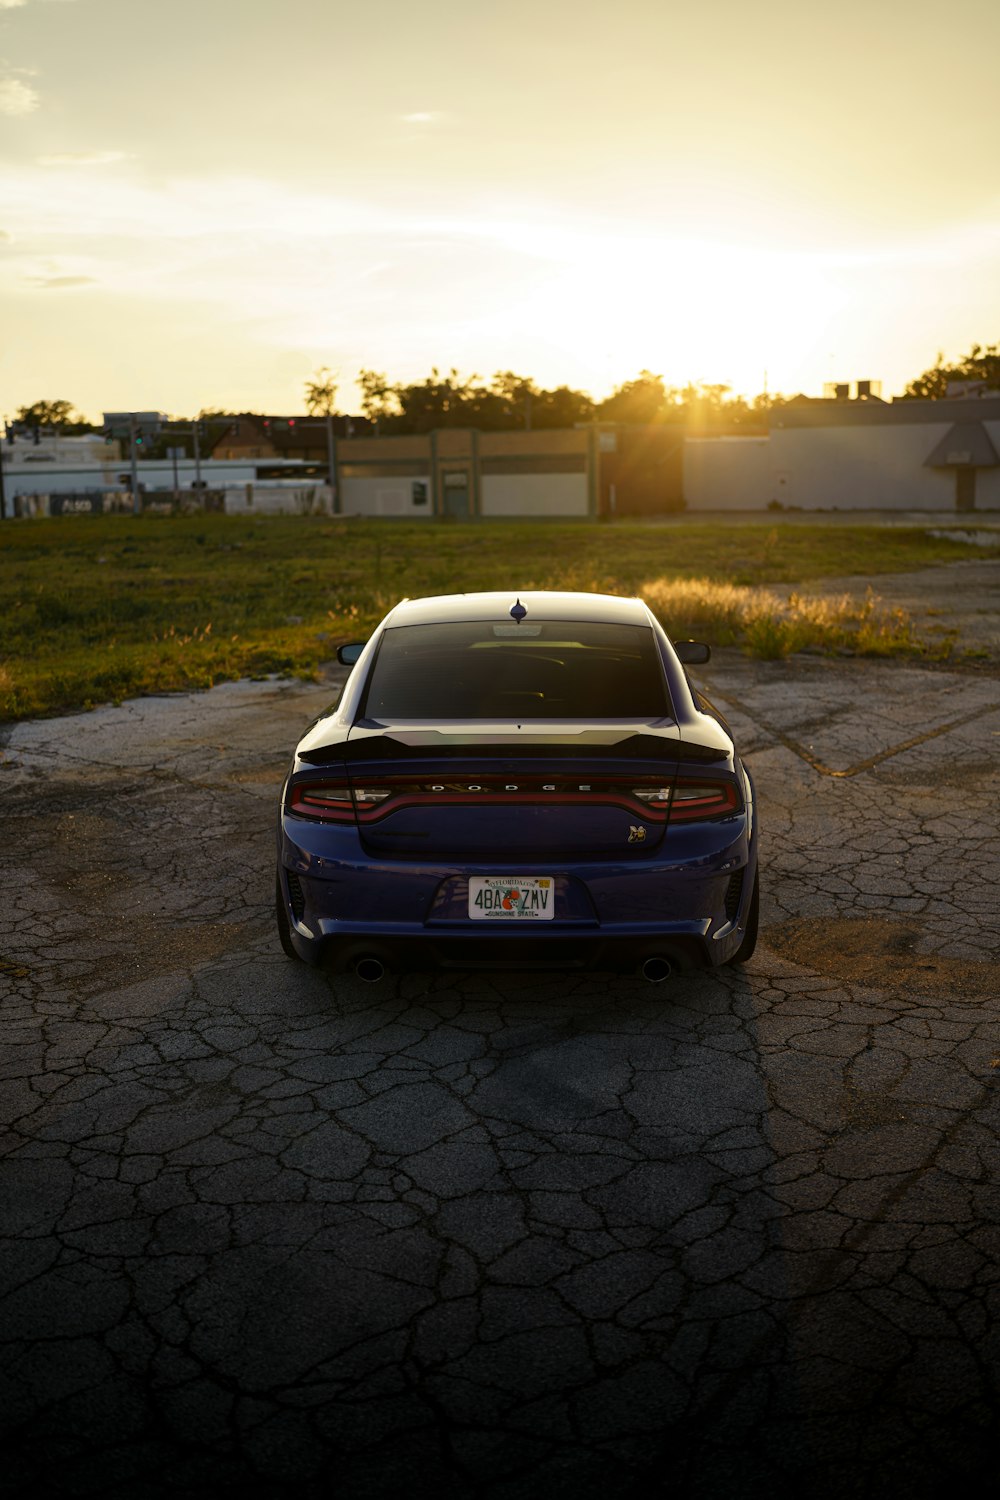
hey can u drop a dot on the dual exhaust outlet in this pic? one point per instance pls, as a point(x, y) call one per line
point(654, 970)
point(371, 970)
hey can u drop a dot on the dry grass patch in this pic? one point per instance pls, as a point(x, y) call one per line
point(769, 626)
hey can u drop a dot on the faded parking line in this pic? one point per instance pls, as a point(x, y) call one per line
point(804, 753)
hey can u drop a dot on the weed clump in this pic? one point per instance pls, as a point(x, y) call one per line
point(770, 627)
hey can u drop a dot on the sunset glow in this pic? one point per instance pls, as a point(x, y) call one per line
point(198, 213)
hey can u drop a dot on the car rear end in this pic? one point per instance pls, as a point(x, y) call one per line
point(522, 795)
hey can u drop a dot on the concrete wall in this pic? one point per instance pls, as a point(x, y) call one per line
point(279, 500)
point(728, 473)
point(543, 441)
point(394, 449)
point(860, 468)
point(534, 495)
point(640, 470)
point(385, 495)
point(988, 480)
point(875, 466)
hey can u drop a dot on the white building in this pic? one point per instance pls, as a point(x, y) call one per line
point(855, 455)
point(47, 486)
point(53, 447)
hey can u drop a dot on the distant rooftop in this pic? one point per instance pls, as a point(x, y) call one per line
point(808, 412)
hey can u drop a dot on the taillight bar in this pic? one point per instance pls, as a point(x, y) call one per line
point(690, 799)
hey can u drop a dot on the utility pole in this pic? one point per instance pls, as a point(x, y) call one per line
point(132, 427)
point(331, 463)
point(3, 497)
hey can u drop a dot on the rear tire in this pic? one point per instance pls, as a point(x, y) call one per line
point(281, 917)
point(749, 943)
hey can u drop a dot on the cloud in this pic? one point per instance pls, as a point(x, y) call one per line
point(83, 158)
point(11, 4)
point(264, 264)
point(423, 117)
point(62, 209)
point(17, 98)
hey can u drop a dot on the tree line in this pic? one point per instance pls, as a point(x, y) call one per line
point(508, 401)
point(981, 366)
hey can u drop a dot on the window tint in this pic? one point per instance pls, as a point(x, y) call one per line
point(550, 670)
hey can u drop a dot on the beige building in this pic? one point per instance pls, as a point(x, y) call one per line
point(462, 472)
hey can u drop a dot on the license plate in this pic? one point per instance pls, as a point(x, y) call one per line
point(511, 898)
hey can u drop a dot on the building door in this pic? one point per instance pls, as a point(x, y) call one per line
point(456, 493)
point(965, 489)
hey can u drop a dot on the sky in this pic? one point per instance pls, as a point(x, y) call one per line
point(203, 202)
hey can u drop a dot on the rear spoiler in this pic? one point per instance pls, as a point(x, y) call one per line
point(591, 744)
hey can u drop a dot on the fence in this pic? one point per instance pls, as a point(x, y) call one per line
point(248, 500)
point(112, 502)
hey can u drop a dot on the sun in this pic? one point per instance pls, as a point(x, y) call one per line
point(691, 310)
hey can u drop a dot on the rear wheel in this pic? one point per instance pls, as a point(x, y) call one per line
point(749, 943)
point(281, 917)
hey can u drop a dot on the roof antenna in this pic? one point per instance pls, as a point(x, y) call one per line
point(518, 611)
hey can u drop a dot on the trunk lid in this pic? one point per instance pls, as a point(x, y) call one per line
point(497, 794)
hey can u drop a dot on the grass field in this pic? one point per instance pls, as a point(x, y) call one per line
point(103, 608)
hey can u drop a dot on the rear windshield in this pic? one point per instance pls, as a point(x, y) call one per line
point(550, 670)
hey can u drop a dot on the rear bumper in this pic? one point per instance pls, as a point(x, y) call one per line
point(687, 905)
point(623, 955)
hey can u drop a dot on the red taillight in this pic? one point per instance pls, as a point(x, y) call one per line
point(330, 802)
point(333, 802)
point(703, 799)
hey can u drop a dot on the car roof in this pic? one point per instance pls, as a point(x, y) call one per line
point(539, 604)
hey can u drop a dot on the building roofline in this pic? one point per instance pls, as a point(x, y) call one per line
point(898, 413)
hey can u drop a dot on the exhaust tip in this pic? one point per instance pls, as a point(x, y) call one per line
point(656, 970)
point(370, 970)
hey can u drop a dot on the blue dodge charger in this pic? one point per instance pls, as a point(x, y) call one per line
point(518, 782)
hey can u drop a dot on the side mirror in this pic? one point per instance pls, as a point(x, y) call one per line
point(693, 653)
point(348, 655)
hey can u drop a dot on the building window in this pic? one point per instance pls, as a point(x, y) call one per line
point(419, 492)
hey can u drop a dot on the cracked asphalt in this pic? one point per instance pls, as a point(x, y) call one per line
point(266, 1232)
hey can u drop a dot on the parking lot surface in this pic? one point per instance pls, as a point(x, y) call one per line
point(270, 1232)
